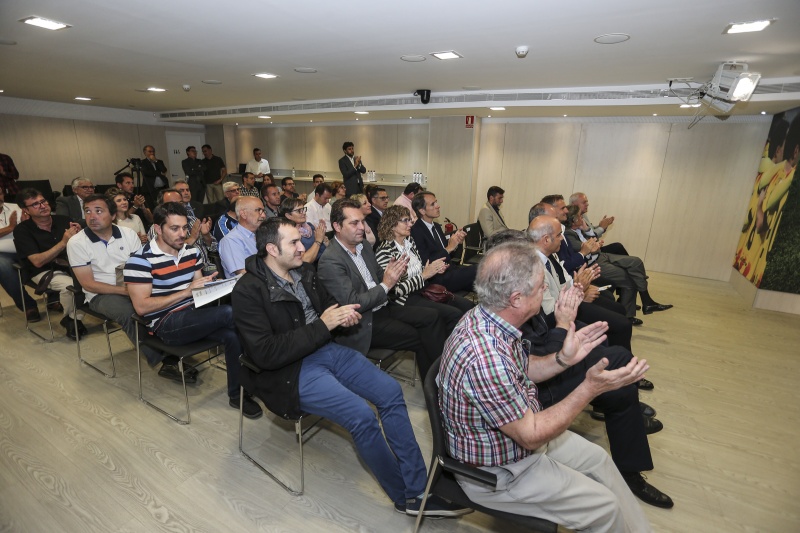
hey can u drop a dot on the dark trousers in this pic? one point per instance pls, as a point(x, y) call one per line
point(620, 328)
point(198, 189)
point(407, 327)
point(627, 438)
point(457, 278)
point(614, 248)
point(450, 313)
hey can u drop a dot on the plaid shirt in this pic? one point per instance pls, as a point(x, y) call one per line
point(483, 384)
point(8, 177)
point(253, 191)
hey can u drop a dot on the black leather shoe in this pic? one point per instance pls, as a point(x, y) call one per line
point(647, 410)
point(250, 408)
point(32, 315)
point(651, 425)
point(645, 384)
point(647, 492)
point(636, 321)
point(647, 309)
point(171, 371)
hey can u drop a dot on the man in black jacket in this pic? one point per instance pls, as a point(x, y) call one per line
point(285, 319)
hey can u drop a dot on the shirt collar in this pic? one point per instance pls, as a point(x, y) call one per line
point(157, 251)
point(510, 332)
point(115, 234)
point(359, 247)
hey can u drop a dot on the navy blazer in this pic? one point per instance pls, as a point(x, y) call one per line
point(430, 249)
point(572, 259)
point(351, 176)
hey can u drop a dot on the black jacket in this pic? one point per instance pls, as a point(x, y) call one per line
point(274, 334)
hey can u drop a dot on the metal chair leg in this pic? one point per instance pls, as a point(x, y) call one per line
point(431, 476)
point(148, 403)
point(298, 428)
point(108, 342)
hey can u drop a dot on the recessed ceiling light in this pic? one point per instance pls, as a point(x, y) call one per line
point(356, 118)
point(361, 112)
point(655, 114)
point(497, 108)
point(409, 117)
point(156, 89)
point(85, 98)
point(311, 121)
point(449, 54)
point(305, 70)
point(264, 116)
point(47, 24)
point(265, 75)
point(612, 38)
point(1, 90)
point(763, 112)
point(212, 82)
point(565, 115)
point(745, 27)
point(488, 116)
point(413, 59)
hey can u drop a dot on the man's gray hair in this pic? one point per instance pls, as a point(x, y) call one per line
point(228, 185)
point(77, 181)
point(505, 269)
point(538, 210)
point(574, 197)
point(541, 226)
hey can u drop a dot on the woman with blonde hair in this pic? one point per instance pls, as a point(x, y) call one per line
point(366, 209)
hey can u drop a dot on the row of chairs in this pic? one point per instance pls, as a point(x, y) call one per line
point(443, 468)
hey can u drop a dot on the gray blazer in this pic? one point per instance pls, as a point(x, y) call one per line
point(70, 207)
point(341, 278)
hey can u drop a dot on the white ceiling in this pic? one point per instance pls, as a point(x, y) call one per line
point(115, 47)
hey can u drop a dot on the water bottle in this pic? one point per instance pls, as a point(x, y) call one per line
point(293, 173)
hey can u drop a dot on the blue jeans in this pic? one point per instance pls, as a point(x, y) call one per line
point(215, 323)
point(336, 382)
point(9, 280)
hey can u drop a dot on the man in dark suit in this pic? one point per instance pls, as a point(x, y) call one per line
point(432, 244)
point(351, 168)
point(72, 206)
point(154, 174)
point(379, 200)
point(350, 273)
point(195, 172)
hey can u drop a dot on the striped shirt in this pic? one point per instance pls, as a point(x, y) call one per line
point(166, 273)
point(483, 385)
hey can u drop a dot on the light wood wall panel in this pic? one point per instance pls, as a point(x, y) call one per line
point(490, 169)
point(538, 159)
point(105, 147)
point(412, 149)
point(705, 185)
point(451, 158)
point(619, 168)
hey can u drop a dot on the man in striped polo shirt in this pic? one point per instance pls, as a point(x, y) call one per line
point(160, 277)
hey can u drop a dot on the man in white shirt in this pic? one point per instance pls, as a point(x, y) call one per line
point(94, 255)
point(319, 207)
point(10, 215)
point(258, 166)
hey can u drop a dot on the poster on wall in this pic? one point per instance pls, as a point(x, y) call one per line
point(768, 252)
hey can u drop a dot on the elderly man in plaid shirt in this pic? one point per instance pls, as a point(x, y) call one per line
point(494, 420)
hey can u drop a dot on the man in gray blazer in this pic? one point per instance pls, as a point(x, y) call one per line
point(72, 206)
point(350, 273)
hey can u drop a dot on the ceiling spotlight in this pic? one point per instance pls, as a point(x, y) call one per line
point(413, 59)
point(497, 108)
point(47, 24)
point(265, 75)
point(745, 27)
point(733, 82)
point(655, 114)
point(450, 54)
point(156, 89)
point(565, 115)
point(763, 112)
point(361, 112)
point(264, 116)
point(85, 98)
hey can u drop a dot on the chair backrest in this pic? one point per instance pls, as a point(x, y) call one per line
point(475, 235)
point(80, 297)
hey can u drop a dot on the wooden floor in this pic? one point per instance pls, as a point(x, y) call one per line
point(79, 452)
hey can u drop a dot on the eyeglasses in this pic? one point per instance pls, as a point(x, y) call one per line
point(86, 187)
point(300, 210)
point(259, 210)
point(405, 220)
point(37, 205)
point(382, 198)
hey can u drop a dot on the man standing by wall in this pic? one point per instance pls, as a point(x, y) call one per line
point(154, 173)
point(351, 168)
point(258, 166)
point(215, 172)
point(195, 174)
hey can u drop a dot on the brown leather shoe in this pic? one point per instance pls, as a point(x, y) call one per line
point(32, 315)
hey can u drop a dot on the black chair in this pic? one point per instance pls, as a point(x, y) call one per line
point(440, 477)
point(248, 373)
point(379, 355)
point(473, 246)
point(80, 304)
point(44, 187)
point(183, 351)
point(25, 280)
